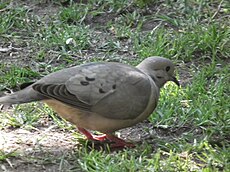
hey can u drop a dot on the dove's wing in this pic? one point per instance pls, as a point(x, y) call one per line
point(112, 90)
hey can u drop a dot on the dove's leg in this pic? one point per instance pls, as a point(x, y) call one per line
point(92, 137)
point(118, 143)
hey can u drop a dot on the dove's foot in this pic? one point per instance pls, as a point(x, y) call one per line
point(92, 137)
point(115, 141)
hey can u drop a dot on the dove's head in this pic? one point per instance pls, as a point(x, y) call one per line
point(159, 69)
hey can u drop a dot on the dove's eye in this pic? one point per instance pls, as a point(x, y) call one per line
point(167, 68)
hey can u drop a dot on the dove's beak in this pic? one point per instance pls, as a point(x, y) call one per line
point(173, 79)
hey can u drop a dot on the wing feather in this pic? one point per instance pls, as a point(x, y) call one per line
point(59, 92)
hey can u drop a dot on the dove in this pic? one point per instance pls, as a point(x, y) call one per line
point(101, 96)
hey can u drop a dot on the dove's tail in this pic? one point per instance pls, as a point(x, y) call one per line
point(23, 96)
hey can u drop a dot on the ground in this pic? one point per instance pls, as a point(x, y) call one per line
point(189, 131)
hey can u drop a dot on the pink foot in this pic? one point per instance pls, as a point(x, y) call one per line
point(92, 137)
point(116, 142)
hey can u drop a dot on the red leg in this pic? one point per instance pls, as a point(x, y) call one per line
point(118, 143)
point(90, 136)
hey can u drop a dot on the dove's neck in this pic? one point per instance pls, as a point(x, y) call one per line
point(150, 73)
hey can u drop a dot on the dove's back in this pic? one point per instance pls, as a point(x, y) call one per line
point(105, 76)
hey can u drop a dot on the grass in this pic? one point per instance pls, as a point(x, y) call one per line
point(191, 123)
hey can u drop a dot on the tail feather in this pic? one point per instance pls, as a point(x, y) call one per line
point(23, 96)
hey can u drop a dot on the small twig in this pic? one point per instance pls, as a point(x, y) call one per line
point(218, 10)
point(4, 9)
point(9, 48)
point(8, 161)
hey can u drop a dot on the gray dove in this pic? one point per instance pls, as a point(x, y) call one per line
point(101, 96)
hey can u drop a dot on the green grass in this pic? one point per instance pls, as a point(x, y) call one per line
point(13, 76)
point(194, 119)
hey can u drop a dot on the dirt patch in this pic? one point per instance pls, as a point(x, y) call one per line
point(46, 148)
point(38, 150)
